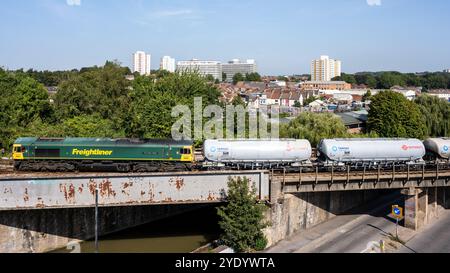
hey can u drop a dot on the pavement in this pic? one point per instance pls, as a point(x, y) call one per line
point(354, 232)
point(434, 238)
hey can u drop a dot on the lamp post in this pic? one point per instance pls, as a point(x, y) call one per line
point(96, 219)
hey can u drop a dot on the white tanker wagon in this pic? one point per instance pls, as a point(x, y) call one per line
point(370, 151)
point(438, 149)
point(257, 153)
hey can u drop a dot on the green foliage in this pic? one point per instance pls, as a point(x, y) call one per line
point(238, 101)
point(48, 78)
point(314, 127)
point(386, 80)
point(30, 102)
point(103, 91)
point(253, 77)
point(346, 77)
point(242, 218)
point(309, 100)
point(297, 104)
point(149, 114)
point(392, 115)
point(22, 100)
point(367, 96)
point(390, 79)
point(238, 77)
point(209, 78)
point(436, 113)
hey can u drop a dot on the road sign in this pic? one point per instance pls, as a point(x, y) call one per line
point(397, 211)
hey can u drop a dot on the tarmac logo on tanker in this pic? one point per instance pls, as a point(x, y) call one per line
point(446, 148)
point(407, 147)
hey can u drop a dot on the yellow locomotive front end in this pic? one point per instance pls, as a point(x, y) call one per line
point(18, 151)
point(187, 154)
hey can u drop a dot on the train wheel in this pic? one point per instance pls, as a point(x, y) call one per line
point(124, 168)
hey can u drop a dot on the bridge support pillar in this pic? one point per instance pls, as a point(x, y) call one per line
point(412, 208)
point(433, 202)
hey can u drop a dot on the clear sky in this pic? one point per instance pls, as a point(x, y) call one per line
point(283, 36)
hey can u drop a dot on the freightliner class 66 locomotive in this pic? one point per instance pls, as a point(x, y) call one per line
point(135, 155)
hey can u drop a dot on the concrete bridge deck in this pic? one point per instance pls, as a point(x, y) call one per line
point(78, 191)
point(46, 190)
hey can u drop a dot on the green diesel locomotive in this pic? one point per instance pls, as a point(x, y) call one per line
point(102, 154)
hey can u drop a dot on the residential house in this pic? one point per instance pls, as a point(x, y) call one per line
point(440, 93)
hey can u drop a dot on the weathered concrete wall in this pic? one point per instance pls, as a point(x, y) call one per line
point(443, 198)
point(424, 204)
point(301, 211)
point(45, 230)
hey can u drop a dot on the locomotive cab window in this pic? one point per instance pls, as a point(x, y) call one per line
point(19, 149)
point(185, 151)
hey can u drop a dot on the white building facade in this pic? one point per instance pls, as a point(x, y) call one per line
point(168, 64)
point(325, 69)
point(204, 68)
point(236, 66)
point(142, 63)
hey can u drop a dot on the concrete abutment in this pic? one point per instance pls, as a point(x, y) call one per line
point(292, 213)
point(43, 230)
point(423, 204)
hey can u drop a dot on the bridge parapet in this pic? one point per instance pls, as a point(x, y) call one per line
point(116, 190)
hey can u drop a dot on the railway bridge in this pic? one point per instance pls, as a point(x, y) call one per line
point(40, 212)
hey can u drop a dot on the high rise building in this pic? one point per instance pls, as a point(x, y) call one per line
point(325, 69)
point(142, 63)
point(168, 63)
point(236, 66)
point(204, 68)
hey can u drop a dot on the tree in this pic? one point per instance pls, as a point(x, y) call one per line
point(309, 100)
point(297, 104)
point(242, 218)
point(349, 78)
point(238, 77)
point(98, 90)
point(210, 78)
point(238, 101)
point(149, 114)
point(283, 78)
point(30, 102)
point(314, 127)
point(161, 73)
point(392, 115)
point(253, 77)
point(224, 76)
point(367, 96)
point(371, 81)
point(390, 79)
point(436, 113)
point(22, 101)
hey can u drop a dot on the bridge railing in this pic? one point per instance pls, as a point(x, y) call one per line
point(348, 178)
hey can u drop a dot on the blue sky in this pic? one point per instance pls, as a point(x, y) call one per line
point(283, 36)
